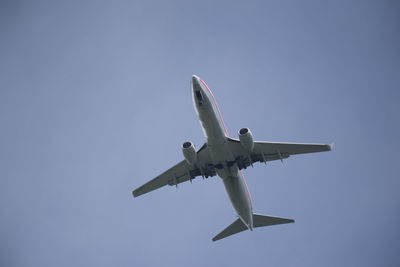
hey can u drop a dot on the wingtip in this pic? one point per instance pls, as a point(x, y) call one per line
point(331, 146)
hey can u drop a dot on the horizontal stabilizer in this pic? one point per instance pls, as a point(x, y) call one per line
point(258, 221)
point(262, 220)
point(236, 227)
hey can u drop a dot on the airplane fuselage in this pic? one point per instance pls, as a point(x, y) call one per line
point(215, 132)
point(226, 157)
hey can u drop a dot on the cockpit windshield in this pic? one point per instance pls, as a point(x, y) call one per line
point(199, 97)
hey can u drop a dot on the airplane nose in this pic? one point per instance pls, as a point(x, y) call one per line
point(195, 79)
point(196, 83)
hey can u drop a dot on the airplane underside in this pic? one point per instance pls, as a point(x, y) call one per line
point(226, 157)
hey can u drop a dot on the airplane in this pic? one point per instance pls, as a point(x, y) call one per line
point(226, 157)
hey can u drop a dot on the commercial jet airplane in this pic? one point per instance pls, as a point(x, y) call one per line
point(226, 157)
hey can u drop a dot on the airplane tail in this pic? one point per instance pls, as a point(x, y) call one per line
point(258, 221)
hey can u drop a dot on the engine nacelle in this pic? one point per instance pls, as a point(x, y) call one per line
point(246, 139)
point(189, 152)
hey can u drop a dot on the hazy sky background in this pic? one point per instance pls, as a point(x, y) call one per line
point(95, 100)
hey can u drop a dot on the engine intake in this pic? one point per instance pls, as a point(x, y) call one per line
point(189, 152)
point(246, 139)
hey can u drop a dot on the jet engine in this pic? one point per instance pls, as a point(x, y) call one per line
point(246, 139)
point(189, 152)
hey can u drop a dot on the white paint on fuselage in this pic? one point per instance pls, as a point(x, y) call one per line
point(216, 135)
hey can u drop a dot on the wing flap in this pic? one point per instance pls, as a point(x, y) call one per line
point(180, 173)
point(268, 151)
point(289, 148)
point(171, 177)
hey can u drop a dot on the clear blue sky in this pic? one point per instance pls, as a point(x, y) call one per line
point(95, 100)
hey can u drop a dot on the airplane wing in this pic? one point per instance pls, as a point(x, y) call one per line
point(181, 172)
point(268, 151)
